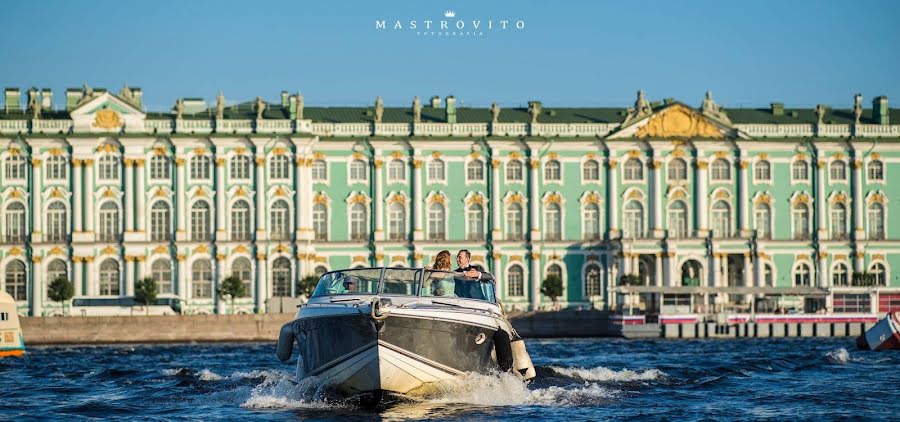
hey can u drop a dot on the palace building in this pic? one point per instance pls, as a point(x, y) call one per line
point(661, 208)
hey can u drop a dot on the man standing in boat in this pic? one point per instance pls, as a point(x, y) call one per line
point(475, 274)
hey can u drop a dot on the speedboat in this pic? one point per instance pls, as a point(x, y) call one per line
point(885, 335)
point(371, 333)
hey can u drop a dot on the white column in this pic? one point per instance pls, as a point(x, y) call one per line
point(220, 199)
point(672, 271)
point(743, 199)
point(37, 287)
point(379, 200)
point(306, 200)
point(724, 278)
point(37, 213)
point(496, 201)
point(716, 270)
point(182, 277)
point(658, 273)
point(299, 187)
point(141, 194)
point(129, 275)
point(748, 282)
point(295, 275)
point(261, 293)
point(534, 198)
point(859, 230)
point(858, 262)
point(219, 271)
point(613, 211)
point(417, 200)
point(129, 195)
point(658, 197)
point(820, 200)
point(702, 195)
point(823, 271)
point(757, 272)
point(179, 201)
point(260, 197)
point(499, 281)
point(78, 202)
point(89, 195)
point(535, 281)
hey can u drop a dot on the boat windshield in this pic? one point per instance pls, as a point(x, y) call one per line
point(356, 281)
point(401, 281)
point(455, 285)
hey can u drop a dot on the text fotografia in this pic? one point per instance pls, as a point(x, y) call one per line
point(445, 27)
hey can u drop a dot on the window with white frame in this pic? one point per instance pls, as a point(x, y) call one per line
point(240, 167)
point(762, 216)
point(552, 222)
point(16, 284)
point(320, 221)
point(721, 219)
point(281, 277)
point(200, 221)
point(160, 222)
point(161, 273)
point(200, 167)
point(15, 167)
point(475, 222)
point(591, 219)
point(241, 269)
point(397, 170)
point(514, 171)
point(514, 221)
point(109, 278)
point(436, 222)
point(762, 171)
point(590, 171)
point(800, 171)
point(592, 281)
point(280, 168)
point(280, 220)
point(359, 171)
point(397, 222)
point(436, 170)
point(515, 280)
point(160, 168)
point(108, 167)
point(876, 221)
point(878, 271)
point(839, 275)
point(838, 171)
point(475, 171)
point(838, 221)
point(875, 171)
point(678, 220)
point(634, 219)
point(634, 170)
point(677, 170)
point(802, 275)
point(57, 222)
point(359, 229)
point(720, 170)
point(15, 227)
point(55, 168)
point(552, 171)
point(56, 269)
point(554, 270)
point(319, 170)
point(109, 222)
point(201, 279)
point(240, 220)
point(800, 216)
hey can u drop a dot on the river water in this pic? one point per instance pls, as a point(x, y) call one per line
point(578, 379)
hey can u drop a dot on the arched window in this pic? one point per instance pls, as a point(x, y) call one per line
point(721, 219)
point(16, 285)
point(762, 171)
point(56, 168)
point(200, 221)
point(436, 170)
point(359, 171)
point(108, 167)
point(634, 219)
point(359, 229)
point(721, 170)
point(201, 279)
point(15, 167)
point(838, 221)
point(590, 171)
point(397, 222)
point(552, 171)
point(876, 221)
point(109, 222)
point(241, 269)
point(877, 269)
point(591, 218)
point(839, 275)
point(240, 167)
point(690, 273)
point(320, 221)
point(678, 220)
point(552, 222)
point(762, 217)
point(677, 170)
point(56, 269)
point(15, 227)
point(802, 275)
point(200, 167)
point(875, 171)
point(475, 222)
point(397, 170)
point(554, 270)
point(280, 220)
point(634, 170)
point(109, 278)
point(240, 220)
point(592, 283)
point(159, 168)
point(475, 171)
point(800, 216)
point(161, 273)
point(279, 167)
point(57, 222)
point(514, 171)
point(838, 171)
point(514, 222)
point(281, 277)
point(436, 222)
point(160, 222)
point(800, 171)
point(515, 280)
point(320, 170)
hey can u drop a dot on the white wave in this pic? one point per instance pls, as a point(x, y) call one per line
point(258, 373)
point(510, 390)
point(840, 356)
point(207, 375)
point(605, 374)
point(278, 391)
point(171, 371)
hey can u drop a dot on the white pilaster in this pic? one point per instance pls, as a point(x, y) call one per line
point(746, 273)
point(129, 275)
point(299, 188)
point(672, 271)
point(658, 273)
point(743, 199)
point(182, 277)
point(823, 271)
point(534, 197)
point(858, 228)
point(820, 201)
point(418, 200)
point(261, 284)
point(180, 202)
point(219, 272)
point(702, 195)
point(129, 195)
point(535, 280)
point(141, 195)
point(37, 287)
point(613, 210)
point(379, 200)
point(78, 201)
point(220, 199)
point(657, 197)
point(89, 196)
point(716, 270)
point(496, 202)
point(37, 191)
point(78, 277)
point(260, 197)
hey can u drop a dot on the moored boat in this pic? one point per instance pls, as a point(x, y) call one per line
point(11, 341)
point(885, 335)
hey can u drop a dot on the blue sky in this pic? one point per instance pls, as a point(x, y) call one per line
point(578, 53)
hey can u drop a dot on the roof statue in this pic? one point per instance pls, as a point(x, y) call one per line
point(820, 114)
point(87, 94)
point(534, 107)
point(34, 103)
point(125, 93)
point(179, 108)
point(417, 110)
point(260, 107)
point(711, 109)
point(299, 106)
point(379, 109)
point(857, 107)
point(495, 113)
point(220, 106)
point(641, 109)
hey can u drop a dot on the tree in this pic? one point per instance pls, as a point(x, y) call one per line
point(630, 280)
point(233, 287)
point(61, 290)
point(145, 291)
point(552, 287)
point(307, 284)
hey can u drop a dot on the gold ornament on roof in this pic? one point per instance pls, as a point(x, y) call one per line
point(552, 156)
point(107, 148)
point(838, 156)
point(635, 194)
point(801, 199)
point(764, 199)
point(15, 194)
point(280, 191)
point(240, 249)
point(240, 151)
point(590, 156)
point(359, 258)
point(878, 197)
point(475, 200)
point(160, 249)
point(515, 155)
point(876, 156)
point(107, 119)
point(56, 193)
point(678, 194)
point(678, 121)
point(281, 249)
point(722, 194)
point(108, 193)
point(357, 156)
point(436, 154)
point(108, 251)
point(396, 154)
point(678, 153)
point(15, 251)
point(199, 151)
point(279, 151)
point(437, 199)
point(56, 251)
point(201, 249)
point(240, 191)
point(475, 155)
point(721, 154)
point(160, 193)
point(839, 198)
point(634, 153)
point(159, 151)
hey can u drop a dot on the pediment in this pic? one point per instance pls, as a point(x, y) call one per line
point(107, 113)
point(107, 101)
point(677, 121)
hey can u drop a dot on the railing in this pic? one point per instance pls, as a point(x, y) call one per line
point(776, 130)
point(160, 126)
point(51, 126)
point(274, 126)
point(878, 130)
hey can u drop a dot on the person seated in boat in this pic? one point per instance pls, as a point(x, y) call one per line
point(470, 286)
point(441, 263)
point(351, 284)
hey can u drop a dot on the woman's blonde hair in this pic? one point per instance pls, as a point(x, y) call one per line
point(442, 261)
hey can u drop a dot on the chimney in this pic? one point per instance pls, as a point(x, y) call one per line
point(292, 107)
point(12, 99)
point(435, 102)
point(284, 99)
point(73, 96)
point(777, 109)
point(138, 96)
point(46, 99)
point(451, 109)
point(880, 111)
